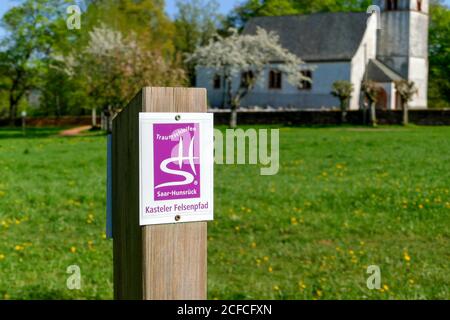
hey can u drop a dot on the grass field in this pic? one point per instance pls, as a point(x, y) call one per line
point(344, 199)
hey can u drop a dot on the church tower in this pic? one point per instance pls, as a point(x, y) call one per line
point(402, 42)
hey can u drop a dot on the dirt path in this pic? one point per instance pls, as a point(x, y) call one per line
point(74, 131)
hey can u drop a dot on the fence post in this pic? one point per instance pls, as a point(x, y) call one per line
point(158, 262)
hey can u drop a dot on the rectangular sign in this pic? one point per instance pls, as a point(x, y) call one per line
point(176, 164)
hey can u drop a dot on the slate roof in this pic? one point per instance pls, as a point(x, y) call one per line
point(379, 72)
point(316, 37)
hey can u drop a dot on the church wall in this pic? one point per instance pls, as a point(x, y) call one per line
point(366, 51)
point(418, 58)
point(393, 41)
point(403, 45)
point(324, 75)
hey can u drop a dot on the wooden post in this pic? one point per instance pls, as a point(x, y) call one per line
point(159, 262)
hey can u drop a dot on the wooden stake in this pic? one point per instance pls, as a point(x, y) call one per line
point(160, 262)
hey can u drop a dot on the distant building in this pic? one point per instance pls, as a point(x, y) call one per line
point(341, 46)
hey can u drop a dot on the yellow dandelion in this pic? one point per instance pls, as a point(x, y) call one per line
point(294, 221)
point(266, 258)
point(270, 269)
point(385, 287)
point(253, 245)
point(103, 235)
point(73, 249)
point(258, 262)
point(18, 247)
point(237, 228)
point(2, 257)
point(411, 281)
point(2, 193)
point(319, 293)
point(276, 288)
point(421, 206)
point(301, 285)
point(406, 256)
point(351, 252)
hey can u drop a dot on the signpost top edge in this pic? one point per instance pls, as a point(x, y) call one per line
point(171, 116)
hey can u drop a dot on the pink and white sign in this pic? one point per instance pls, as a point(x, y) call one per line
point(176, 167)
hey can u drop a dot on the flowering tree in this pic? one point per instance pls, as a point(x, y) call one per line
point(248, 55)
point(112, 68)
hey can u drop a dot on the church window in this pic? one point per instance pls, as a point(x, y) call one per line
point(247, 78)
point(217, 82)
point(419, 5)
point(275, 79)
point(392, 5)
point(305, 84)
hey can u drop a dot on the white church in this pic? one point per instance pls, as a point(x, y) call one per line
point(351, 46)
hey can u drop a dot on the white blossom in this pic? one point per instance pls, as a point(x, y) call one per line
point(236, 53)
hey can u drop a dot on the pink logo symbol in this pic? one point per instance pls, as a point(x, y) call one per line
point(176, 161)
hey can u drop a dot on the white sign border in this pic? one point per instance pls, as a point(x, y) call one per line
point(206, 123)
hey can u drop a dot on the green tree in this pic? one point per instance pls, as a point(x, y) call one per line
point(196, 23)
point(439, 48)
point(256, 8)
point(146, 18)
point(32, 30)
point(343, 90)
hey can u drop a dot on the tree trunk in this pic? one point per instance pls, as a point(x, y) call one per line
point(405, 114)
point(373, 114)
point(344, 116)
point(343, 112)
point(12, 113)
point(229, 93)
point(233, 117)
point(108, 117)
point(94, 117)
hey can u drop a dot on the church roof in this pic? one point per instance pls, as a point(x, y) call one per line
point(379, 72)
point(316, 37)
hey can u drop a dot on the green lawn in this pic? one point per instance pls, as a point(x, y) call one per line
point(344, 198)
